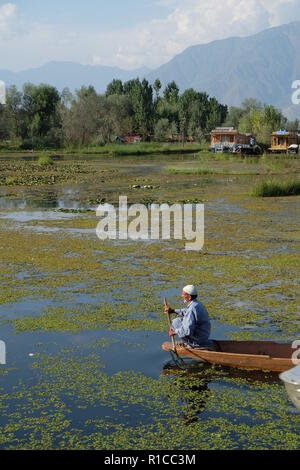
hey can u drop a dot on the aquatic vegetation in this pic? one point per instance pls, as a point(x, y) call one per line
point(40, 173)
point(86, 302)
point(45, 160)
point(114, 150)
point(191, 171)
point(277, 189)
point(131, 410)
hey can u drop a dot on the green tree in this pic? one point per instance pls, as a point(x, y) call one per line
point(199, 114)
point(171, 93)
point(165, 110)
point(162, 130)
point(217, 114)
point(40, 108)
point(45, 110)
point(81, 123)
point(115, 88)
point(130, 86)
point(4, 124)
point(157, 87)
point(121, 113)
point(11, 114)
point(261, 120)
point(185, 111)
point(234, 116)
point(141, 96)
point(251, 104)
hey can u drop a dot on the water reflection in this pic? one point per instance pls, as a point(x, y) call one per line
point(192, 368)
point(193, 384)
point(48, 198)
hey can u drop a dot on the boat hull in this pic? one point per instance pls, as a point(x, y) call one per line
point(254, 355)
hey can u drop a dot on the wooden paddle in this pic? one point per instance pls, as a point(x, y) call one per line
point(170, 324)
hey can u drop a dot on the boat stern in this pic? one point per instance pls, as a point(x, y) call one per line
point(291, 379)
point(167, 346)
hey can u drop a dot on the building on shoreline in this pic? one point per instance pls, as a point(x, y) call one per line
point(133, 138)
point(130, 138)
point(228, 139)
point(284, 141)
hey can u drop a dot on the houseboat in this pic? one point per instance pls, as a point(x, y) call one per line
point(133, 138)
point(284, 141)
point(228, 139)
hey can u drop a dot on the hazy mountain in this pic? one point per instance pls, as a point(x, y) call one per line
point(262, 66)
point(71, 75)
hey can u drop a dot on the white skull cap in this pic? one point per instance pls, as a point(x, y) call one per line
point(191, 290)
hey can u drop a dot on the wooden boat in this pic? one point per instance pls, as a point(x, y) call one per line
point(255, 355)
point(291, 379)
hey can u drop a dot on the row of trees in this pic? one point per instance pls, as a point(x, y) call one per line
point(191, 113)
point(32, 116)
point(41, 117)
point(260, 120)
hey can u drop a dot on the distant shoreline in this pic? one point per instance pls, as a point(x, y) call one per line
point(112, 150)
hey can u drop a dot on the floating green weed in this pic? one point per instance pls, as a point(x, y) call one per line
point(45, 160)
point(216, 410)
point(248, 277)
point(277, 189)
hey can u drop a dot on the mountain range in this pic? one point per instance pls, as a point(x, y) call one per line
point(71, 75)
point(262, 66)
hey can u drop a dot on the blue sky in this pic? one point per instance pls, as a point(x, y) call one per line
point(126, 33)
point(109, 15)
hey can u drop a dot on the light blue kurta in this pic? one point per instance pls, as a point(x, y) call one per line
point(193, 326)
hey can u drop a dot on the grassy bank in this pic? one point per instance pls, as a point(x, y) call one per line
point(276, 189)
point(136, 150)
point(190, 171)
point(118, 150)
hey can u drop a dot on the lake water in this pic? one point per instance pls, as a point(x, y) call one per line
point(84, 326)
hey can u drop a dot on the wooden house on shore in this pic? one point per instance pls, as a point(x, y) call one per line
point(133, 138)
point(284, 141)
point(228, 139)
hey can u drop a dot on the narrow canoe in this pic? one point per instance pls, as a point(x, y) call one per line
point(255, 355)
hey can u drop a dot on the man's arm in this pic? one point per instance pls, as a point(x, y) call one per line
point(187, 325)
point(169, 310)
point(181, 312)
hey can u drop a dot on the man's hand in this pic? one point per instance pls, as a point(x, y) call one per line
point(168, 309)
point(172, 332)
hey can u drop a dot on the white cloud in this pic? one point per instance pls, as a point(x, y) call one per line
point(7, 15)
point(150, 43)
point(200, 21)
point(282, 11)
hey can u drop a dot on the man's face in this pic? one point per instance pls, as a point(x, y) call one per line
point(186, 297)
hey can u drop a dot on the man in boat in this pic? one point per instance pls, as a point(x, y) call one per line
point(193, 325)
